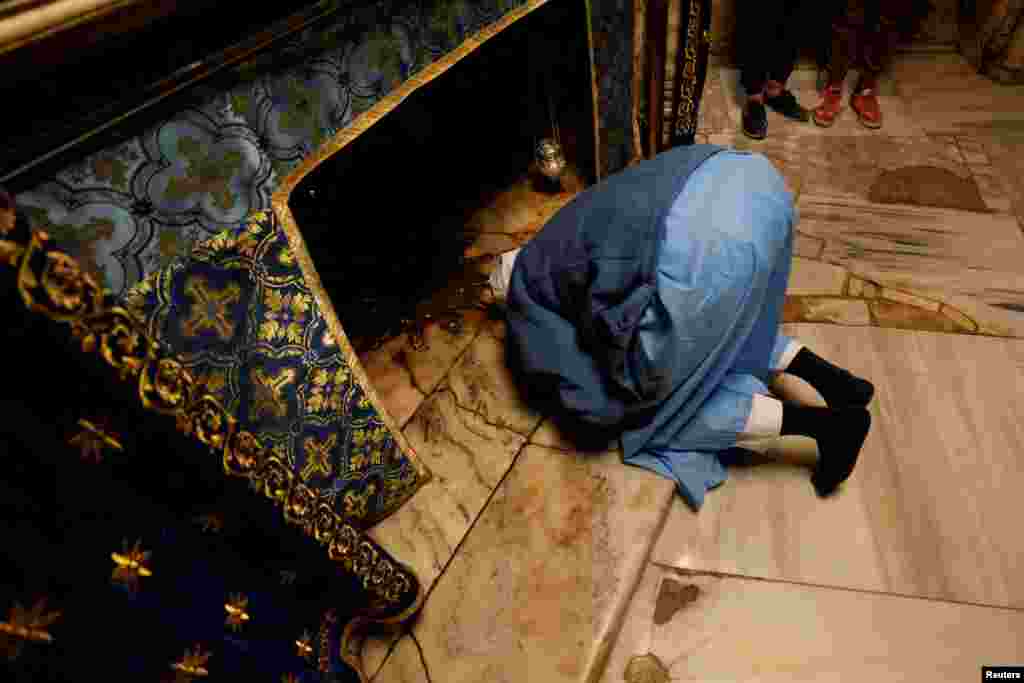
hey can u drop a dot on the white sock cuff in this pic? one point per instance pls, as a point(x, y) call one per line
point(502, 275)
point(765, 419)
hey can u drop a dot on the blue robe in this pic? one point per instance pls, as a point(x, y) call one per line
point(651, 304)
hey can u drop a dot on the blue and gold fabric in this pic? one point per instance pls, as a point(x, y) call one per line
point(246, 325)
point(127, 211)
point(150, 534)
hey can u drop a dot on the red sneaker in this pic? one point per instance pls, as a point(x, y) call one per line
point(826, 113)
point(865, 103)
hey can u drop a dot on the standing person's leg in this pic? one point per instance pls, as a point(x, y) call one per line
point(759, 24)
point(782, 60)
point(844, 29)
point(882, 24)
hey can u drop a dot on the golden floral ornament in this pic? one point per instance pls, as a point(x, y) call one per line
point(93, 440)
point(327, 389)
point(193, 664)
point(130, 565)
point(26, 626)
point(286, 316)
point(304, 645)
point(237, 608)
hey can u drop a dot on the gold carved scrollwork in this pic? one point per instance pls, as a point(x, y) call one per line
point(343, 544)
point(242, 457)
point(301, 503)
point(325, 523)
point(52, 283)
point(205, 419)
point(277, 480)
point(166, 386)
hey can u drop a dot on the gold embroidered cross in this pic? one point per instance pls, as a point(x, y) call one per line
point(210, 308)
point(318, 456)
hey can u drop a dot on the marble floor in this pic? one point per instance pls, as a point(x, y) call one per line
point(546, 564)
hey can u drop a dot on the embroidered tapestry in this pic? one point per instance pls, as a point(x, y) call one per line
point(150, 534)
point(241, 316)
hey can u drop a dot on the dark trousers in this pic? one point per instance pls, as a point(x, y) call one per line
point(864, 36)
point(771, 33)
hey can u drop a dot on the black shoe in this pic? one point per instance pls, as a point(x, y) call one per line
point(755, 120)
point(785, 103)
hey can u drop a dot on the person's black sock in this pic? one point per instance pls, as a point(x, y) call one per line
point(840, 434)
point(837, 386)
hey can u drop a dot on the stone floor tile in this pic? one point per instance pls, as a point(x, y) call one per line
point(538, 589)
